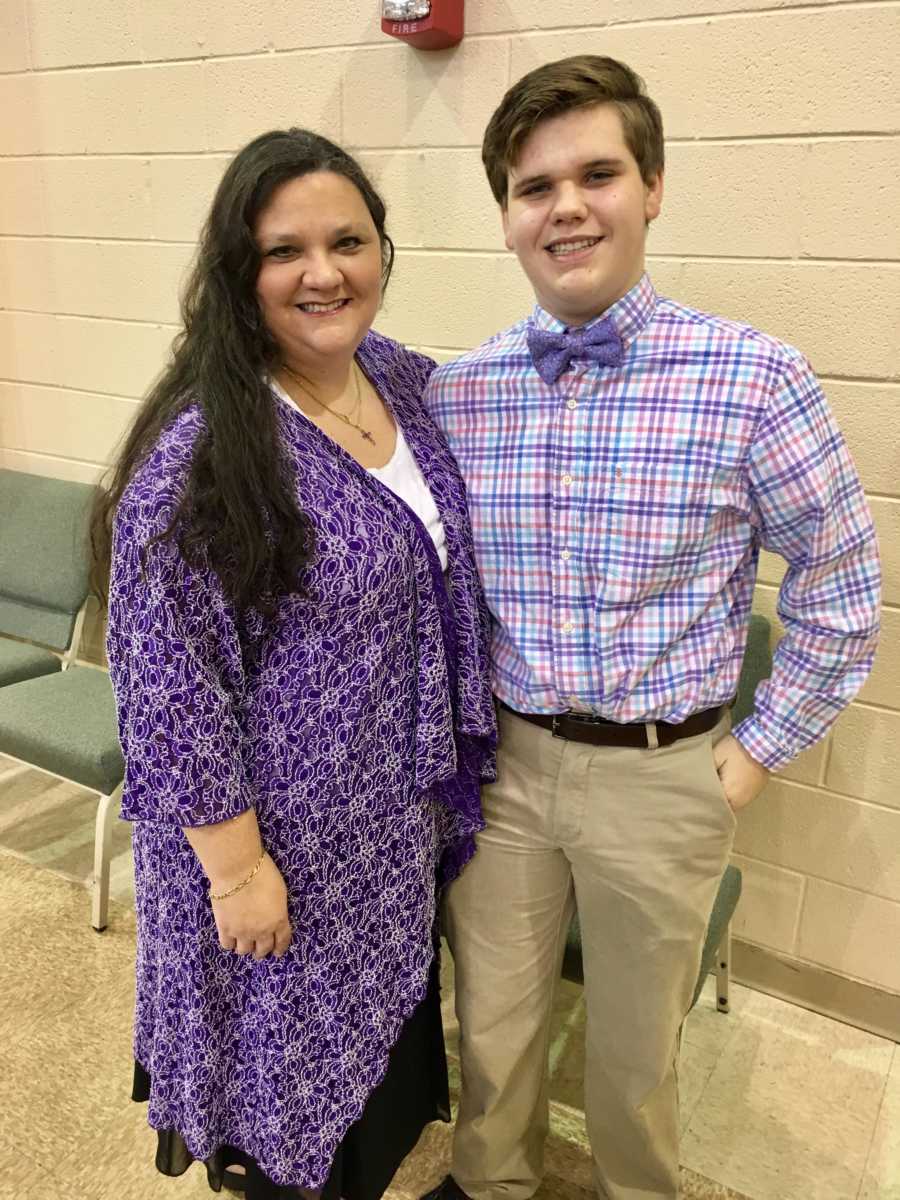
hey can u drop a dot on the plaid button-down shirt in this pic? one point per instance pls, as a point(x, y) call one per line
point(619, 514)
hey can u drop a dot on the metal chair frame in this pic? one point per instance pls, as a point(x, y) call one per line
point(723, 972)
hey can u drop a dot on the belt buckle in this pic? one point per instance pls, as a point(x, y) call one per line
point(554, 728)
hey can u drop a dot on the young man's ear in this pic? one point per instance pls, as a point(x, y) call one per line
point(653, 198)
point(504, 220)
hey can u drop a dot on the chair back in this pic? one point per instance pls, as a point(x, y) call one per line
point(44, 559)
point(757, 666)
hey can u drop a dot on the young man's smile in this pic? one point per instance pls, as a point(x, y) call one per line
point(569, 249)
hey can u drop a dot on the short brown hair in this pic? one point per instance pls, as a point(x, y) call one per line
point(559, 87)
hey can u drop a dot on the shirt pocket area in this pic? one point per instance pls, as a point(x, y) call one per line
point(670, 534)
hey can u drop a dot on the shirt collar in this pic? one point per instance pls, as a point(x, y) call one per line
point(630, 314)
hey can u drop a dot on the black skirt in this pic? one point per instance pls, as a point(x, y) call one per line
point(413, 1093)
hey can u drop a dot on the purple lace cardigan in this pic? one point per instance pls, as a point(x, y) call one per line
point(358, 722)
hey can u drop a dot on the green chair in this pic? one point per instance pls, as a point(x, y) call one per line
point(55, 716)
point(717, 946)
point(43, 583)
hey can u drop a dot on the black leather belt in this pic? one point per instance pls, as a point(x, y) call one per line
point(576, 727)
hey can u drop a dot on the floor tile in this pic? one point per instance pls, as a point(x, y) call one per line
point(53, 955)
point(779, 1103)
point(567, 1046)
point(65, 1030)
point(18, 1171)
point(51, 823)
point(708, 1028)
point(115, 1161)
point(31, 1183)
point(698, 1187)
point(64, 1078)
point(790, 1107)
point(881, 1178)
point(695, 1066)
point(426, 1167)
point(21, 1177)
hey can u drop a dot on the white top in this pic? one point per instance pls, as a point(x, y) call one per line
point(403, 477)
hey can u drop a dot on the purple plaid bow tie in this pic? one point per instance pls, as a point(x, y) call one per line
point(551, 353)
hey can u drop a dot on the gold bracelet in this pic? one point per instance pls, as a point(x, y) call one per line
point(237, 887)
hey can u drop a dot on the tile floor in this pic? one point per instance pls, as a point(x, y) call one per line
point(778, 1103)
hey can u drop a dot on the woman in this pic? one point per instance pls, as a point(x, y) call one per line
point(298, 646)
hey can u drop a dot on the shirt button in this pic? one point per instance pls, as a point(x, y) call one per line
point(566, 555)
point(567, 480)
point(571, 404)
point(568, 627)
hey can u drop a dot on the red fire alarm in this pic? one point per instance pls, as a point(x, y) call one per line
point(425, 24)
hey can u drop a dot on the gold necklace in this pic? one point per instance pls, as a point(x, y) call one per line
point(345, 417)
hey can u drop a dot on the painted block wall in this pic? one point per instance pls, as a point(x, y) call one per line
point(782, 120)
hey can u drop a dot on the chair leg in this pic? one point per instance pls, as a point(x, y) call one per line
point(106, 812)
point(723, 971)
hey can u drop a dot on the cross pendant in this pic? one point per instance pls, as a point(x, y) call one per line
point(367, 436)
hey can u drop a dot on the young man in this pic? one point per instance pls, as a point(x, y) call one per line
point(626, 458)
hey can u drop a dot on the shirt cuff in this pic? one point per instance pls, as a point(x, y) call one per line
point(761, 746)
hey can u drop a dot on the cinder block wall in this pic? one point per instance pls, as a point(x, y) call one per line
point(783, 163)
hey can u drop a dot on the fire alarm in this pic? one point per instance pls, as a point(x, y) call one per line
point(425, 24)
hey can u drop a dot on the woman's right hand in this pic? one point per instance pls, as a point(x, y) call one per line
point(255, 919)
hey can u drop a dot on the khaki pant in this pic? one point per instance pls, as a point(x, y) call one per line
point(640, 838)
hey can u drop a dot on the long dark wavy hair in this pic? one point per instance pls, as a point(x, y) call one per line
point(238, 512)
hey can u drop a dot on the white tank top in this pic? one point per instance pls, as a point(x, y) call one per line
point(403, 477)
